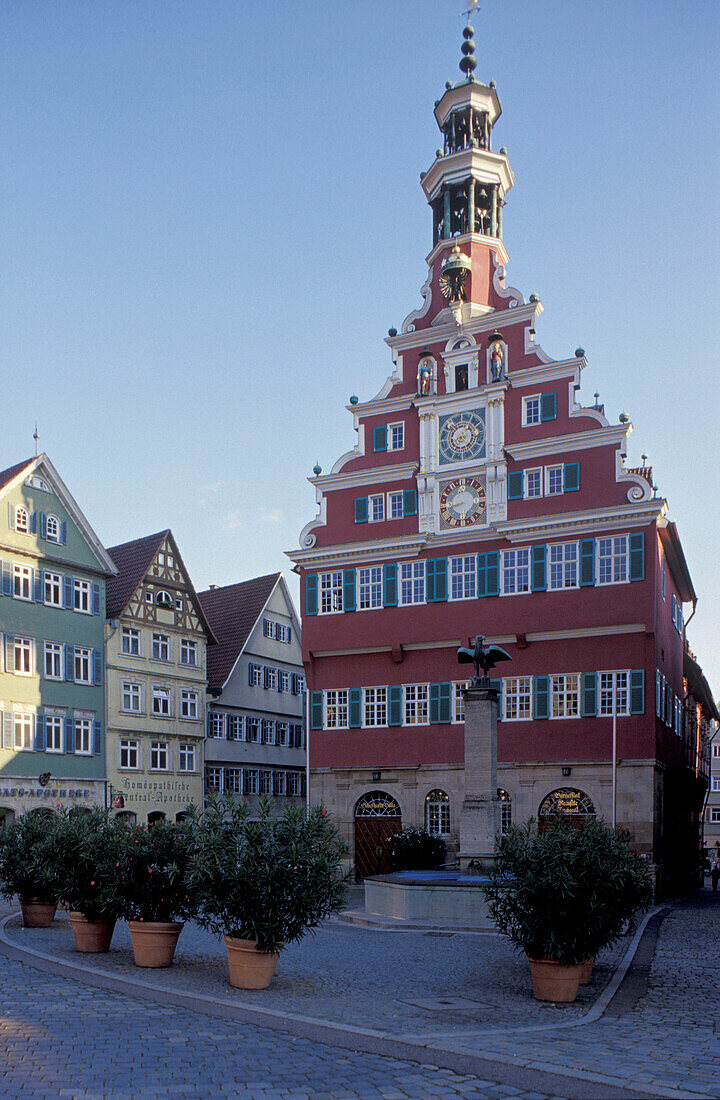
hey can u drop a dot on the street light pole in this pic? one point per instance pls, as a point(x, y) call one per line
point(614, 749)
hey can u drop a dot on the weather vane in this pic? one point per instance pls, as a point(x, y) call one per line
point(36, 437)
point(469, 12)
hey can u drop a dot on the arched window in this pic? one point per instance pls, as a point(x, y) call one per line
point(437, 813)
point(164, 599)
point(505, 810)
point(377, 804)
point(127, 815)
point(52, 529)
point(462, 343)
point(566, 802)
point(22, 521)
point(156, 815)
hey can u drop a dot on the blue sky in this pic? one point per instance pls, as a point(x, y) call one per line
point(212, 215)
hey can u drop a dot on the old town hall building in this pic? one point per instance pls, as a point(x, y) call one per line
point(483, 497)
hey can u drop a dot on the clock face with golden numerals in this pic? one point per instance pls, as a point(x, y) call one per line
point(462, 436)
point(462, 502)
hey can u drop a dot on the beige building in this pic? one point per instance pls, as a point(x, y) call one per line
point(156, 639)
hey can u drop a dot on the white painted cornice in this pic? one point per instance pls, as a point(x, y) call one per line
point(328, 557)
point(472, 92)
point(593, 522)
point(546, 372)
point(616, 435)
point(487, 321)
point(370, 475)
point(383, 405)
point(482, 165)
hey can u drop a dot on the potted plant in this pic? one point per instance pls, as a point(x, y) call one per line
point(416, 849)
point(93, 844)
point(264, 881)
point(562, 895)
point(28, 865)
point(153, 892)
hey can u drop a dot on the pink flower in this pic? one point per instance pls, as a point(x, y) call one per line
point(92, 883)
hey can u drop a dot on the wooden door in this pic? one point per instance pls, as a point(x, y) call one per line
point(371, 845)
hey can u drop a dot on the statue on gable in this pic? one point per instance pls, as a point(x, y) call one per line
point(497, 357)
point(425, 377)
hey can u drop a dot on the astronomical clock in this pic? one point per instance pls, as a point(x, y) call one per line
point(462, 437)
point(462, 502)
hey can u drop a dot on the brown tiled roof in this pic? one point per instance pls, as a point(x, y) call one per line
point(133, 560)
point(7, 476)
point(232, 612)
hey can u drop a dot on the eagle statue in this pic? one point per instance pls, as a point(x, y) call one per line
point(487, 656)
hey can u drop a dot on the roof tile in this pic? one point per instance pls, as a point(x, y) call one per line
point(232, 612)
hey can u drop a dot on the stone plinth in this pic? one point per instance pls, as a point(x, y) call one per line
point(480, 815)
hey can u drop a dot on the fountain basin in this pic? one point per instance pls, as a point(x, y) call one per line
point(447, 898)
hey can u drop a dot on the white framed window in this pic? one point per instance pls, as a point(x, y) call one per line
point(161, 647)
point(614, 683)
point(716, 783)
point(515, 571)
point(336, 710)
point(38, 482)
point(131, 697)
point(396, 437)
point(233, 780)
point(129, 753)
point(214, 779)
point(369, 587)
point(517, 699)
point(270, 678)
point(716, 749)
point(81, 596)
point(130, 642)
point(24, 728)
point(22, 582)
point(189, 652)
point(294, 784)
point(159, 756)
point(268, 628)
point(161, 558)
point(532, 484)
point(268, 731)
point(54, 732)
point(375, 700)
point(279, 784)
point(395, 506)
point(235, 727)
point(282, 733)
point(331, 592)
point(252, 726)
point(22, 521)
point(412, 582)
point(178, 603)
point(186, 758)
point(715, 814)
point(83, 736)
point(149, 597)
point(565, 696)
point(283, 633)
point(265, 782)
point(52, 529)
point(376, 508)
point(165, 600)
point(22, 652)
point(283, 680)
point(52, 589)
point(161, 701)
point(531, 410)
point(189, 704)
point(416, 705)
point(612, 561)
point(83, 665)
point(463, 577)
point(250, 781)
point(256, 675)
point(553, 480)
point(459, 688)
point(505, 810)
point(170, 559)
point(437, 813)
point(53, 661)
point(563, 566)
point(217, 724)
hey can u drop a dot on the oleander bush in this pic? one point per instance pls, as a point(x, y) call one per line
point(154, 865)
point(29, 857)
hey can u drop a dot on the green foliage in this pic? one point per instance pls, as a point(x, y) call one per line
point(415, 849)
point(29, 851)
point(268, 878)
point(154, 863)
point(92, 844)
point(566, 893)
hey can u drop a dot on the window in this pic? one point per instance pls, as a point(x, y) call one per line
point(294, 783)
point(52, 586)
point(158, 756)
point(250, 781)
point(459, 699)
point(716, 749)
point(160, 647)
point(369, 587)
point(235, 731)
point(715, 814)
point(376, 508)
point(149, 596)
point(213, 779)
point(268, 731)
point(283, 680)
point(165, 600)
point(396, 437)
point(531, 410)
point(131, 697)
point(515, 571)
point(517, 699)
point(53, 661)
point(279, 785)
point(129, 753)
point(716, 783)
point(505, 810)
point(416, 705)
point(217, 724)
point(131, 641)
point(533, 483)
point(336, 710)
point(52, 529)
point(23, 730)
point(618, 680)
point(282, 733)
point(22, 650)
point(54, 733)
point(189, 704)
point(283, 633)
point(331, 592)
point(375, 706)
point(170, 561)
point(270, 678)
point(412, 582)
point(178, 603)
point(265, 782)
point(188, 652)
point(268, 629)
point(81, 596)
point(83, 735)
point(298, 684)
point(22, 525)
point(22, 582)
point(395, 506)
point(437, 813)
point(563, 571)
point(256, 675)
point(252, 726)
point(161, 701)
point(553, 480)
point(612, 560)
point(233, 780)
point(565, 696)
point(186, 758)
point(463, 577)
point(82, 664)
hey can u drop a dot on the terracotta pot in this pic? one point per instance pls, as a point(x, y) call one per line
point(36, 913)
point(91, 935)
point(248, 967)
point(154, 942)
point(587, 969)
point(554, 982)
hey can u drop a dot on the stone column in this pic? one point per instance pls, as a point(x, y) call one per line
point(480, 815)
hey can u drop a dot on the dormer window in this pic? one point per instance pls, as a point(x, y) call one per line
point(22, 521)
point(165, 600)
point(52, 529)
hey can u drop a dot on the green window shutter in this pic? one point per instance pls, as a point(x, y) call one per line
point(390, 585)
point(588, 707)
point(436, 580)
point(637, 556)
point(409, 502)
point(637, 691)
point(548, 406)
point(497, 685)
point(380, 438)
point(515, 485)
point(587, 562)
point(355, 721)
point(361, 509)
point(311, 593)
point(492, 584)
point(571, 477)
point(316, 710)
point(395, 705)
point(69, 734)
point(348, 589)
point(539, 557)
point(9, 653)
point(39, 733)
point(440, 703)
point(658, 693)
point(541, 696)
point(97, 738)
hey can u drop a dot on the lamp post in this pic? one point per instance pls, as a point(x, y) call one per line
point(614, 749)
